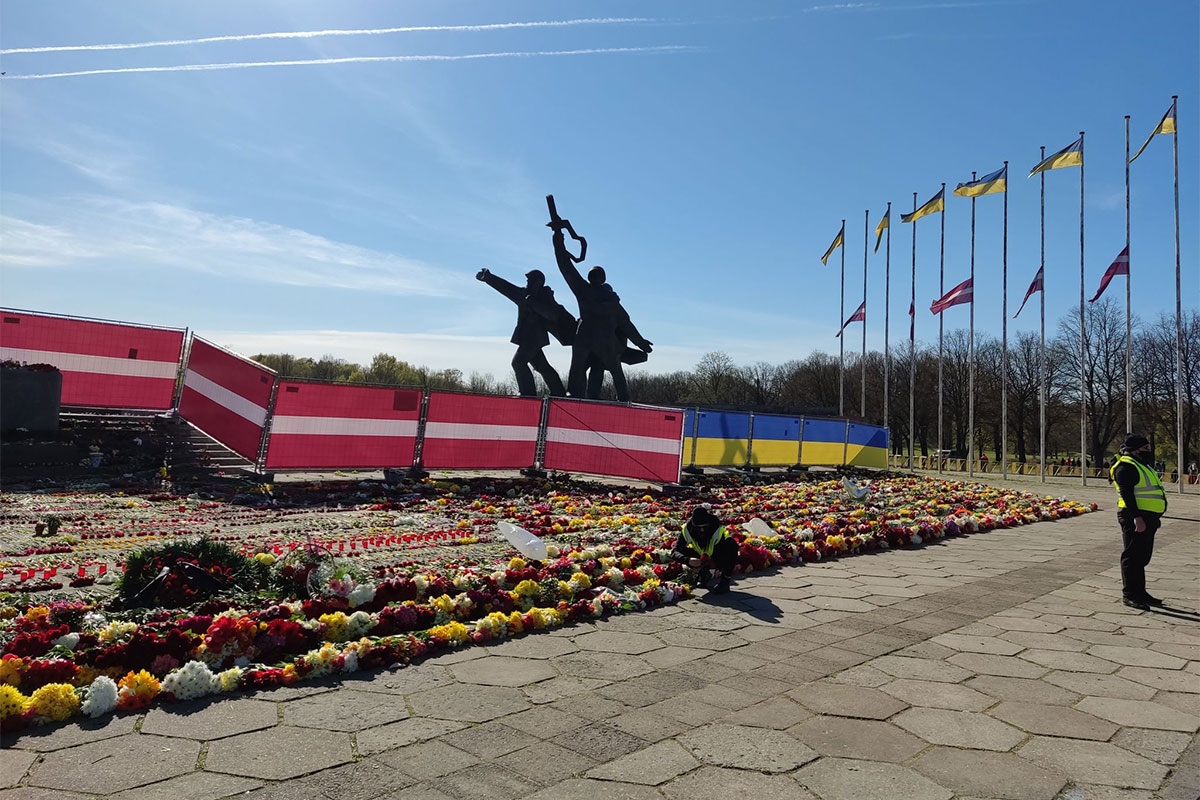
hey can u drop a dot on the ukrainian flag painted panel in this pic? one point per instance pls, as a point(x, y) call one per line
point(824, 442)
point(867, 446)
point(776, 440)
point(722, 438)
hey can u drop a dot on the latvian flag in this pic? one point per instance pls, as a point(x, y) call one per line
point(858, 316)
point(1038, 285)
point(963, 293)
point(1118, 267)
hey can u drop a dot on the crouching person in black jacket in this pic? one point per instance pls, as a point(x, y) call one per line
point(706, 545)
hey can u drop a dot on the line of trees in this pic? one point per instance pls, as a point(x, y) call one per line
point(810, 386)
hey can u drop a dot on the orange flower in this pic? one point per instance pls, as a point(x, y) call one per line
point(136, 690)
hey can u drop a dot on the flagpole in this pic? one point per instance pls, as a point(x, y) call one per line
point(1042, 343)
point(842, 339)
point(1004, 339)
point(941, 327)
point(1128, 281)
point(912, 344)
point(863, 359)
point(1082, 335)
point(887, 308)
point(971, 348)
point(1178, 310)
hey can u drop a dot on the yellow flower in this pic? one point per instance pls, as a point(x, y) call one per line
point(516, 563)
point(36, 612)
point(581, 581)
point(450, 633)
point(136, 690)
point(10, 671)
point(515, 623)
point(8, 612)
point(528, 588)
point(265, 558)
point(12, 702)
point(55, 701)
point(337, 626)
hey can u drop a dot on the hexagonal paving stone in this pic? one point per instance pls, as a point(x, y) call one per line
point(707, 640)
point(192, 786)
point(1054, 721)
point(211, 720)
point(500, 671)
point(1139, 714)
point(734, 783)
point(1164, 747)
point(1002, 666)
point(46, 739)
point(619, 642)
point(1045, 641)
point(1168, 680)
point(1023, 624)
point(428, 759)
point(652, 766)
point(1137, 657)
point(605, 666)
point(841, 700)
point(707, 622)
point(278, 753)
point(588, 789)
point(113, 765)
point(977, 644)
point(959, 729)
point(403, 733)
point(929, 694)
point(841, 779)
point(921, 669)
point(759, 749)
point(480, 704)
point(486, 782)
point(489, 740)
point(857, 738)
point(978, 773)
point(1094, 762)
point(1069, 662)
point(545, 763)
point(534, 647)
point(345, 710)
point(406, 680)
point(601, 743)
point(779, 713)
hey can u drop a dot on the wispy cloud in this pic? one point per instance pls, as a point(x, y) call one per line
point(358, 60)
point(253, 37)
point(103, 231)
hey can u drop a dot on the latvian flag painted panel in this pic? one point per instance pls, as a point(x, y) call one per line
point(340, 425)
point(104, 364)
point(466, 431)
point(226, 396)
point(627, 441)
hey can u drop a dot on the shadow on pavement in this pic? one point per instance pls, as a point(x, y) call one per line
point(761, 608)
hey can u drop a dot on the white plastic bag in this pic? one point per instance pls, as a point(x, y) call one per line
point(758, 527)
point(526, 543)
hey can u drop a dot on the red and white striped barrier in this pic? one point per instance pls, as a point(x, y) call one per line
point(227, 397)
point(342, 426)
point(103, 364)
point(464, 431)
point(626, 441)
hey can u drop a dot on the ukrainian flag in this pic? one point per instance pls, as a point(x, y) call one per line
point(936, 203)
point(838, 241)
point(884, 223)
point(989, 184)
point(1167, 126)
point(1069, 156)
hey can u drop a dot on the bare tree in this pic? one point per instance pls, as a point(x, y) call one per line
point(1103, 371)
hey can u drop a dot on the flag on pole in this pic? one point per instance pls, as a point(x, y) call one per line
point(993, 183)
point(963, 293)
point(859, 315)
point(1118, 267)
point(884, 223)
point(1069, 156)
point(934, 205)
point(838, 241)
point(1038, 285)
point(1167, 126)
point(912, 322)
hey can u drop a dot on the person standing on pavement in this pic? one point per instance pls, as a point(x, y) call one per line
point(1141, 503)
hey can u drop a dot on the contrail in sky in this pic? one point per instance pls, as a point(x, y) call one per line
point(250, 37)
point(354, 60)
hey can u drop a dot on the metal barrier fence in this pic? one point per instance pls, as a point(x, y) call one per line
point(1033, 468)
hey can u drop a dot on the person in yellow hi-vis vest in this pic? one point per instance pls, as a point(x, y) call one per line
point(706, 545)
point(1141, 504)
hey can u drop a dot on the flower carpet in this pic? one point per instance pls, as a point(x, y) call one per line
point(147, 596)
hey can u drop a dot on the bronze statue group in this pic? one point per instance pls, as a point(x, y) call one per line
point(599, 339)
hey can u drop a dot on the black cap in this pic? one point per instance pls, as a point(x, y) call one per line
point(541, 276)
point(1134, 442)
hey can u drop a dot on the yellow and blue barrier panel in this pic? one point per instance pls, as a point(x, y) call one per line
point(774, 440)
point(741, 439)
point(866, 445)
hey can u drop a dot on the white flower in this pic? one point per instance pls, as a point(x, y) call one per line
point(194, 679)
point(68, 641)
point(93, 620)
point(101, 697)
point(350, 661)
point(363, 593)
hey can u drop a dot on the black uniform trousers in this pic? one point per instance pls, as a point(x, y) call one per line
point(1139, 547)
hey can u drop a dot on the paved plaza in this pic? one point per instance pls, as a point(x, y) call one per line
point(1000, 665)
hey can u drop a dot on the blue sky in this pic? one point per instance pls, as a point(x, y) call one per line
point(708, 150)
